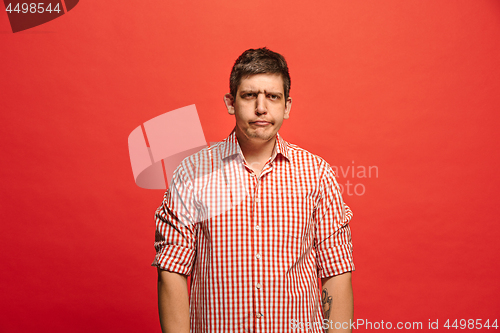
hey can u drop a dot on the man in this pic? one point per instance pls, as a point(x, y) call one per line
point(255, 221)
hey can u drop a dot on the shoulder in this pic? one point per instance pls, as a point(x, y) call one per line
point(203, 161)
point(302, 158)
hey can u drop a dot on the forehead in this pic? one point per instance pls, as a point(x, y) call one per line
point(261, 82)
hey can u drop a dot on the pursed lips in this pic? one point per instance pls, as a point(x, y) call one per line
point(260, 122)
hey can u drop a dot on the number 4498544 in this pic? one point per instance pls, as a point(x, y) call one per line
point(33, 8)
point(471, 324)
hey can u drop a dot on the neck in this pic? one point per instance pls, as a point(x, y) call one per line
point(256, 150)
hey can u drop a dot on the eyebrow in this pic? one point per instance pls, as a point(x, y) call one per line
point(258, 92)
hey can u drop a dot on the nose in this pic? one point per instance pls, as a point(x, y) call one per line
point(260, 106)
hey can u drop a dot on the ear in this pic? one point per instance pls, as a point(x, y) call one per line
point(288, 107)
point(229, 101)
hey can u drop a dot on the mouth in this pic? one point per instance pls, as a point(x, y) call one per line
point(261, 123)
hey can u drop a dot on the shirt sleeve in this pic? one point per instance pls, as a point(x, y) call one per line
point(175, 241)
point(333, 234)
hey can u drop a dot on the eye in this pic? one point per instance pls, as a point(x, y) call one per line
point(248, 95)
point(273, 97)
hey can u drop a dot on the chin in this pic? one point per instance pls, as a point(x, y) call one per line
point(262, 136)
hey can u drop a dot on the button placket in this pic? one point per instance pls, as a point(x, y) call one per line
point(258, 274)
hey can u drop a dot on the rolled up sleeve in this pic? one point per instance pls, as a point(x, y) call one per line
point(333, 234)
point(175, 240)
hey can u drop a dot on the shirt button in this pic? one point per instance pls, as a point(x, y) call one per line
point(259, 315)
point(258, 286)
point(257, 227)
point(258, 256)
point(257, 200)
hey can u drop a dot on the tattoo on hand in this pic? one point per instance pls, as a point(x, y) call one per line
point(327, 303)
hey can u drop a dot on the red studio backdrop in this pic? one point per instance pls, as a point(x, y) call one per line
point(400, 97)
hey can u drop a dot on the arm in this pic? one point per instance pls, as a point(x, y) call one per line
point(334, 246)
point(173, 302)
point(337, 302)
point(175, 252)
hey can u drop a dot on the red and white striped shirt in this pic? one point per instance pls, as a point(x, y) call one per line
point(254, 246)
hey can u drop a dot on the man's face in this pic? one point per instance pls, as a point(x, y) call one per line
point(259, 107)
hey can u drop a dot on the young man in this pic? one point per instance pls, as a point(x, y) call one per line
point(255, 221)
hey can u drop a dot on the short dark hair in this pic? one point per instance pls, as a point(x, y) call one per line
point(259, 61)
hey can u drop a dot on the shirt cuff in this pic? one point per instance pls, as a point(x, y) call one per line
point(335, 261)
point(175, 259)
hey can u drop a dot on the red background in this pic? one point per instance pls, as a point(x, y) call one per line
point(411, 87)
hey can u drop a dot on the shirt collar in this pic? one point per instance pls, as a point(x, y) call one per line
point(230, 146)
